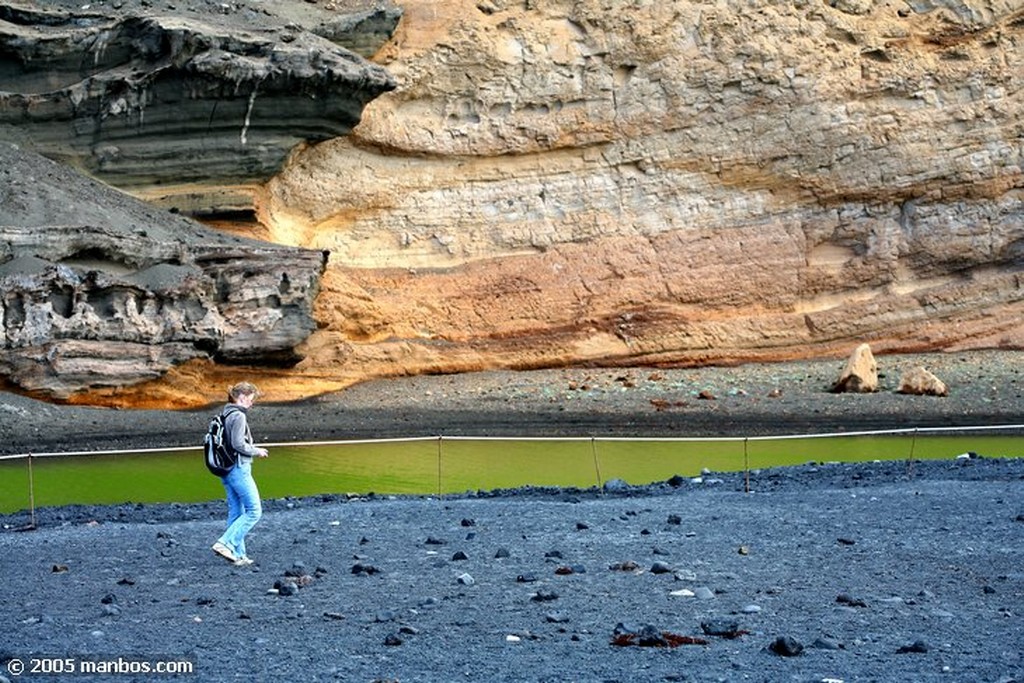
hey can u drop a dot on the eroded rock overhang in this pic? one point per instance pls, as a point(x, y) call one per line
point(189, 110)
point(98, 289)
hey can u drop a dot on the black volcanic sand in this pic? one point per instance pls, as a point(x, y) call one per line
point(875, 572)
point(986, 388)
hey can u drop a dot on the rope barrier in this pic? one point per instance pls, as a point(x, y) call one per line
point(638, 439)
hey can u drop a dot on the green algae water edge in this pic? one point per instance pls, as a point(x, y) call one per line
point(438, 466)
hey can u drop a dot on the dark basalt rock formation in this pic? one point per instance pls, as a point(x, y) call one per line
point(99, 289)
point(189, 109)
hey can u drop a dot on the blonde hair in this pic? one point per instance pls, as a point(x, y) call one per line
point(242, 389)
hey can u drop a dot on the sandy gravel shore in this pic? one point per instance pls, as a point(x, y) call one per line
point(985, 388)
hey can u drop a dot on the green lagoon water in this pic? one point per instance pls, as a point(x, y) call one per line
point(434, 466)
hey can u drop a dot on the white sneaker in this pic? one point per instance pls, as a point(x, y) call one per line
point(243, 561)
point(224, 552)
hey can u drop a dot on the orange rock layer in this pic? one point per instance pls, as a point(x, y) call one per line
point(669, 183)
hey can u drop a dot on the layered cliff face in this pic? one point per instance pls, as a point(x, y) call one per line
point(186, 106)
point(99, 290)
point(579, 181)
point(671, 182)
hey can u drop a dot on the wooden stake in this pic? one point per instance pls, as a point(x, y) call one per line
point(31, 494)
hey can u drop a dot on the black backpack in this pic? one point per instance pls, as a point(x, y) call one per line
point(219, 456)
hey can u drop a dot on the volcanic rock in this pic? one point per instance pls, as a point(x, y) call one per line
point(205, 103)
point(785, 646)
point(671, 183)
point(667, 184)
point(920, 382)
point(860, 376)
point(98, 289)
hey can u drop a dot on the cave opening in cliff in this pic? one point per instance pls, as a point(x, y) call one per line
point(98, 259)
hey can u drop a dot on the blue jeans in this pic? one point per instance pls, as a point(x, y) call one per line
point(244, 507)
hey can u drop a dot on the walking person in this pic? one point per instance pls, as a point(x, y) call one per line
point(244, 506)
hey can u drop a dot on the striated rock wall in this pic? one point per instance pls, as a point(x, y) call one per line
point(100, 290)
point(559, 182)
point(670, 182)
point(190, 108)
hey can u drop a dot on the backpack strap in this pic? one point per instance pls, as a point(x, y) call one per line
point(229, 410)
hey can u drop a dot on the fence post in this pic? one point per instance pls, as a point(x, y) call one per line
point(910, 458)
point(597, 463)
point(746, 467)
point(440, 438)
point(31, 495)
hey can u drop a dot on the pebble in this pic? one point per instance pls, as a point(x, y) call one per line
point(627, 566)
point(566, 570)
point(465, 579)
point(784, 646)
point(723, 628)
point(661, 568)
point(825, 644)
point(918, 647)
point(846, 599)
point(751, 609)
point(703, 593)
point(459, 556)
point(650, 636)
point(297, 569)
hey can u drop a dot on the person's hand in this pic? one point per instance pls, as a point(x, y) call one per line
point(262, 452)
